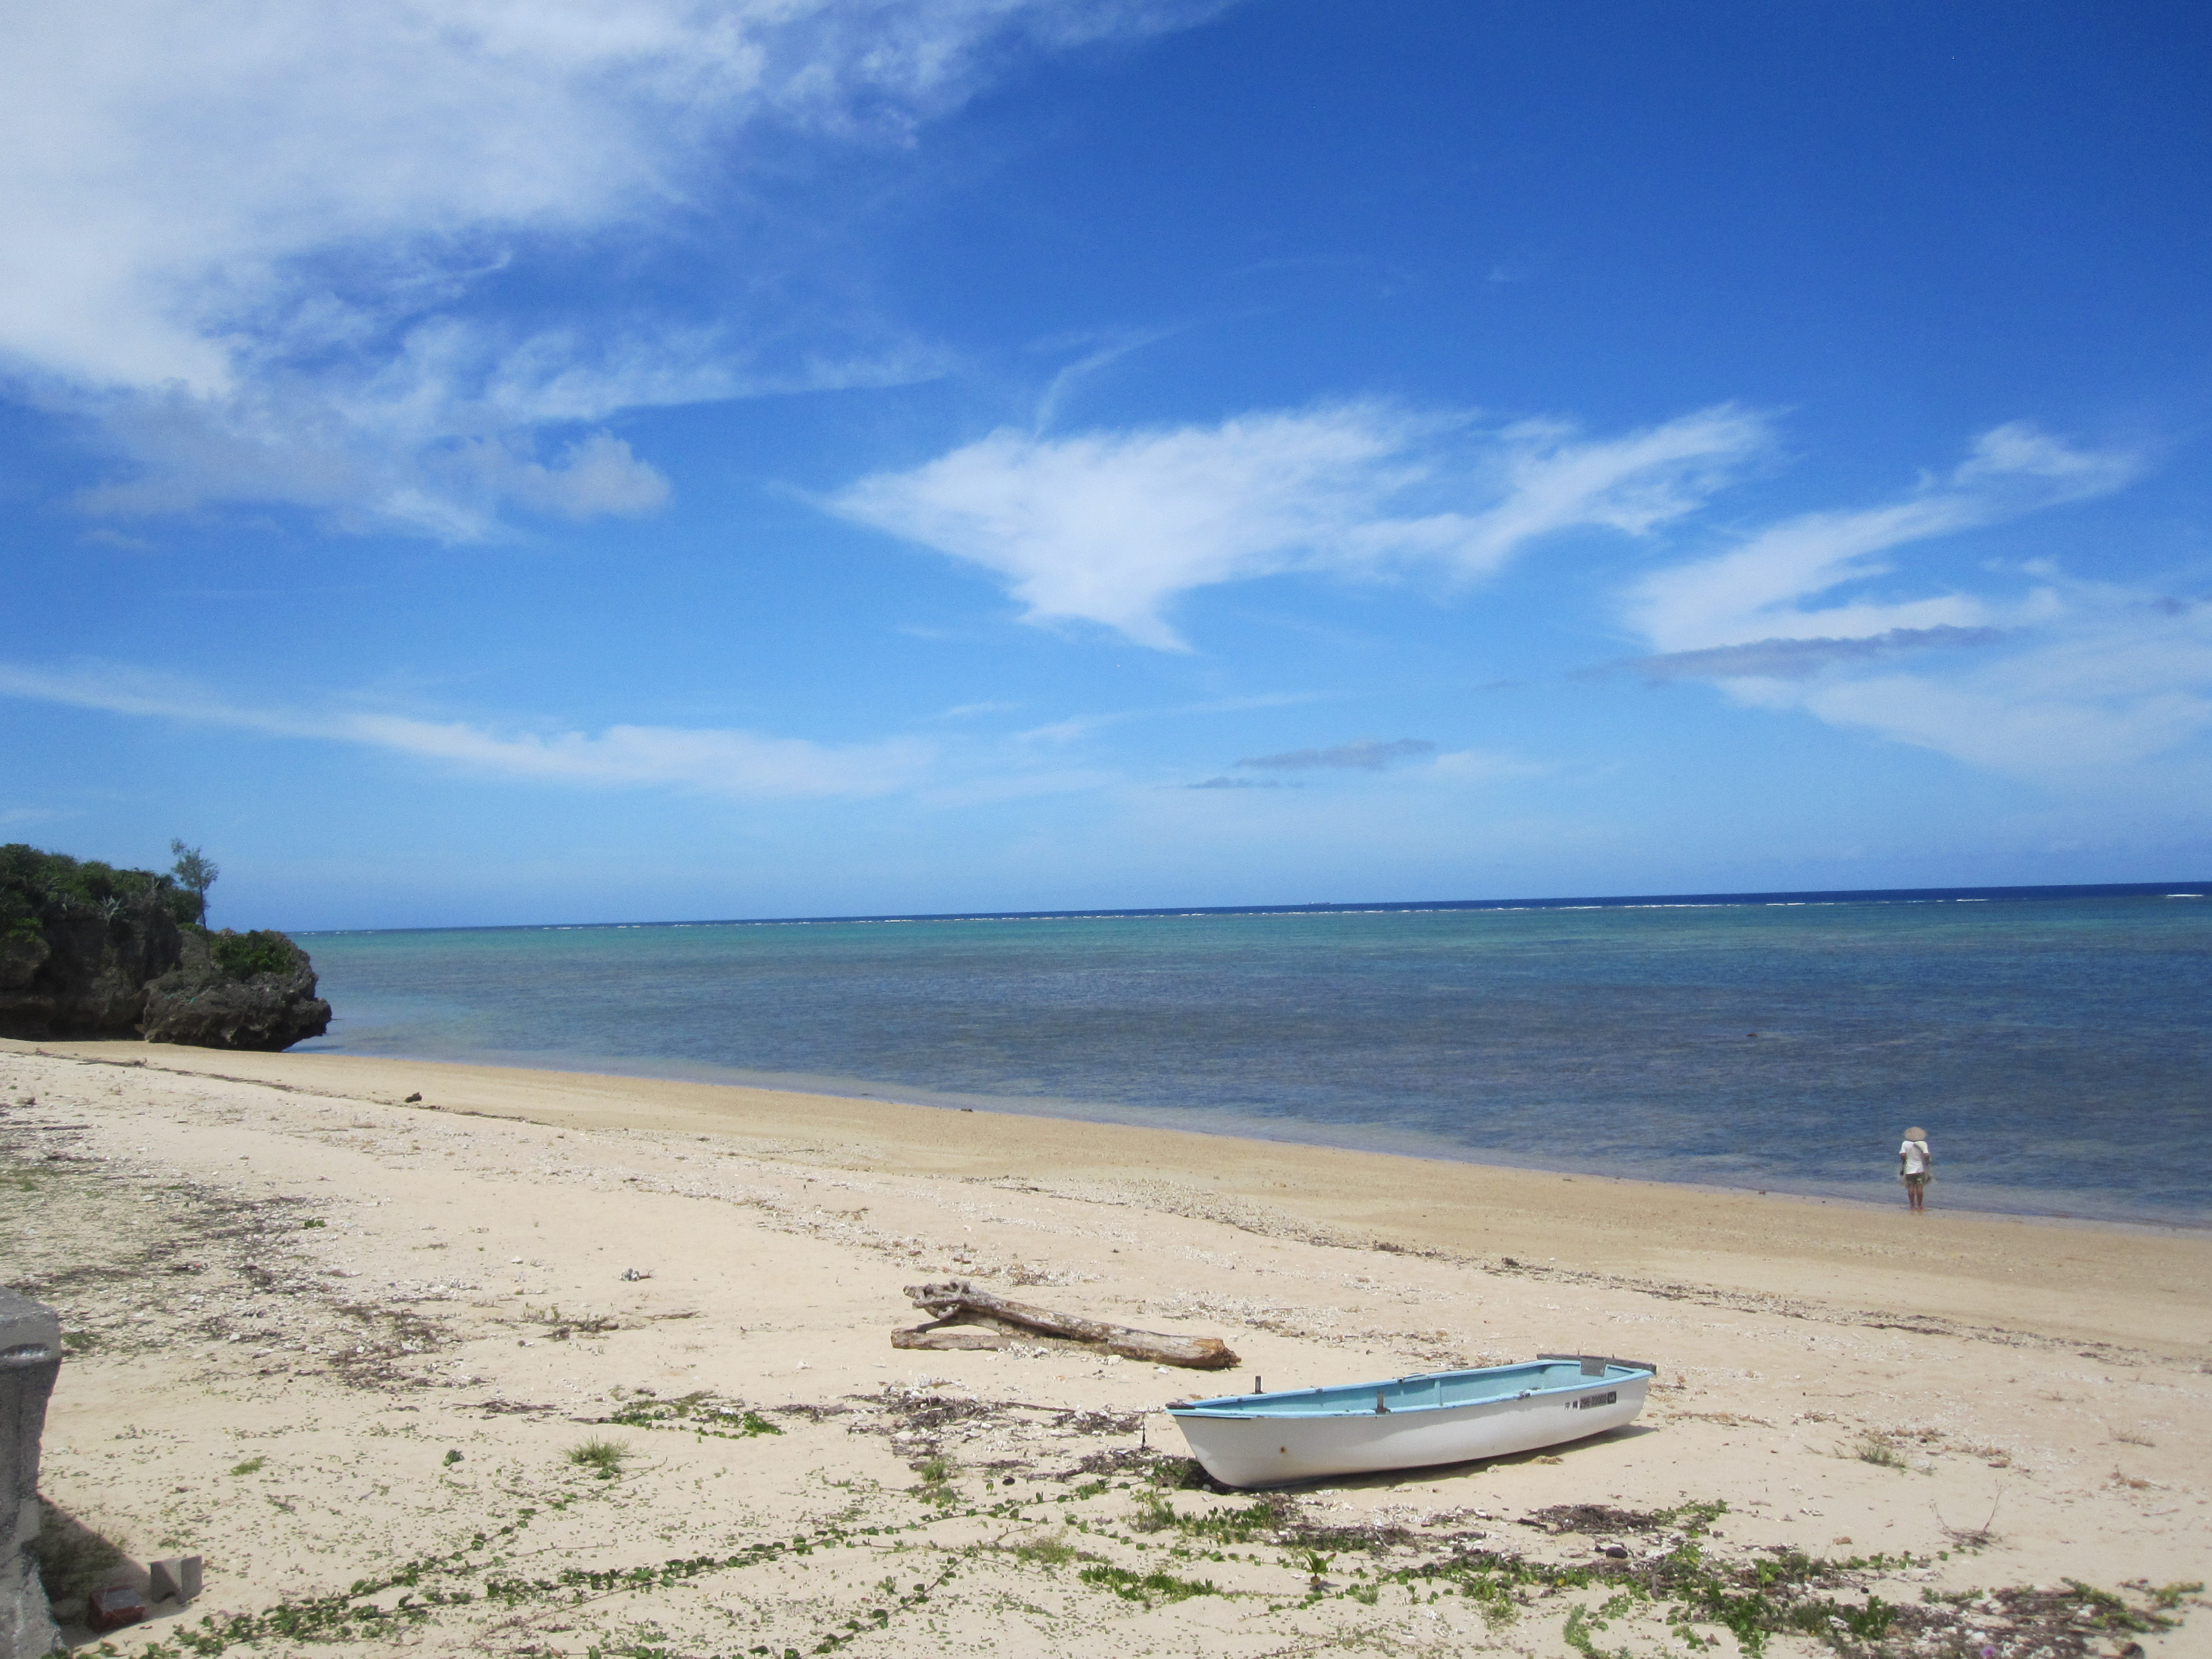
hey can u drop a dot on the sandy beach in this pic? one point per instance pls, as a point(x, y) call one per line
point(543, 1363)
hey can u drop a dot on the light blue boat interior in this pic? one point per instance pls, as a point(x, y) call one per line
point(1429, 1391)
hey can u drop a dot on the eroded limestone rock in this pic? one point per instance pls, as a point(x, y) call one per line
point(236, 991)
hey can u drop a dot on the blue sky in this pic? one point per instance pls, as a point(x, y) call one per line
point(623, 458)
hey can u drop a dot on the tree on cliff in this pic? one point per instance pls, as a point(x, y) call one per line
point(195, 872)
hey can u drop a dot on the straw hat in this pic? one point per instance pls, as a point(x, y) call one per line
point(1916, 1134)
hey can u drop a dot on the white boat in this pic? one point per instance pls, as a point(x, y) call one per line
point(1411, 1422)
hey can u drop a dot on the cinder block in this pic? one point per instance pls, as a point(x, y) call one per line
point(177, 1579)
point(115, 1606)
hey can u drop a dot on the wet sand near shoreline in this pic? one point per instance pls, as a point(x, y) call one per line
point(276, 1261)
point(2151, 1286)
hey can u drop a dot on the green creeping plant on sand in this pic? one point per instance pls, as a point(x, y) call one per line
point(1780, 1594)
point(696, 1413)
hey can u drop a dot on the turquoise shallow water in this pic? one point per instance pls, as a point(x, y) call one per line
point(2058, 1050)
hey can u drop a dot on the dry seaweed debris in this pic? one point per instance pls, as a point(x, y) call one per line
point(1594, 1518)
point(920, 1422)
point(2071, 1620)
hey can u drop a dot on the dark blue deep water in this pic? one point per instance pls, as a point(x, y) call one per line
point(2059, 1051)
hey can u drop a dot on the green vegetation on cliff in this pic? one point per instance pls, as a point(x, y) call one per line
point(242, 955)
point(34, 884)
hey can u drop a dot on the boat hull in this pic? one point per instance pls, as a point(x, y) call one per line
point(1265, 1450)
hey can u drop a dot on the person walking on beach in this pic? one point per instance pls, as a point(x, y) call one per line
point(1916, 1165)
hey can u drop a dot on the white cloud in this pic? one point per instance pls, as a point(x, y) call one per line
point(242, 227)
point(716, 762)
point(1757, 592)
point(294, 450)
point(2045, 678)
point(2106, 686)
point(1111, 527)
point(2037, 735)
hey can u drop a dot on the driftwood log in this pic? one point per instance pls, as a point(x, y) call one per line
point(996, 1322)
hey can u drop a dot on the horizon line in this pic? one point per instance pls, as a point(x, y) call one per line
point(1823, 896)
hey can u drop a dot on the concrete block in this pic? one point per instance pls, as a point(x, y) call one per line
point(115, 1606)
point(30, 1358)
point(176, 1579)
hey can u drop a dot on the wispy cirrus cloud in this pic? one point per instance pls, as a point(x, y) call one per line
point(248, 239)
point(1111, 527)
point(1797, 660)
point(1076, 726)
point(962, 711)
point(2038, 675)
point(1764, 589)
point(1458, 767)
point(2107, 687)
point(1362, 755)
point(715, 761)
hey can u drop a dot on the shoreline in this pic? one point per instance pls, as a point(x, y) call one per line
point(1309, 1134)
point(1490, 1041)
point(1984, 1269)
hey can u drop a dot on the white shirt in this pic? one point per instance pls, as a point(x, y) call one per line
point(1915, 1154)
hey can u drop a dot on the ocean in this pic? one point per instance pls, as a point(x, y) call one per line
point(2056, 1045)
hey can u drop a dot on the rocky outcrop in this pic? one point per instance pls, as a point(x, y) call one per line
point(236, 991)
point(82, 969)
point(88, 949)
